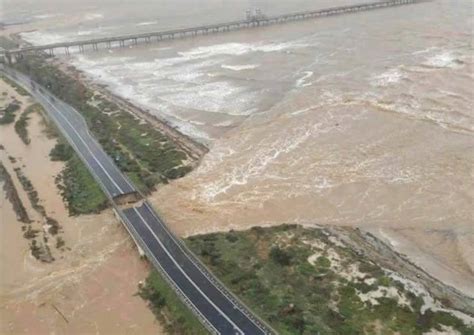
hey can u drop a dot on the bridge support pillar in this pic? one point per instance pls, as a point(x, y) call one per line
point(8, 58)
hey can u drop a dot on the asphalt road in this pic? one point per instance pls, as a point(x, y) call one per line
point(203, 293)
point(74, 128)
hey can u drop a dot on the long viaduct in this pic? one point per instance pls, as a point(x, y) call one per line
point(254, 21)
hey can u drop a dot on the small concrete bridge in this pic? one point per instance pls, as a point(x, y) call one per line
point(256, 21)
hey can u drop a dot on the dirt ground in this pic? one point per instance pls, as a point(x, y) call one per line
point(91, 286)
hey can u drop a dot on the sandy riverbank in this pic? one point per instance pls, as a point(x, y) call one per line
point(90, 287)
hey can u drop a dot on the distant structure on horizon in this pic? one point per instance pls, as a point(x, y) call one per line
point(255, 18)
point(254, 14)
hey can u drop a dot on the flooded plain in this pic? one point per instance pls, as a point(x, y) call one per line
point(91, 285)
point(361, 120)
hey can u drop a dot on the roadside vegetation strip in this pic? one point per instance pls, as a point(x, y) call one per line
point(77, 186)
point(142, 152)
point(22, 123)
point(168, 308)
point(302, 282)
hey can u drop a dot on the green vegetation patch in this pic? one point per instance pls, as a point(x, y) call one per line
point(61, 151)
point(146, 155)
point(168, 308)
point(8, 114)
point(77, 186)
point(53, 226)
point(79, 189)
point(299, 288)
point(22, 123)
point(11, 194)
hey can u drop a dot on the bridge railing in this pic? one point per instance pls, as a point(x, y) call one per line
point(218, 27)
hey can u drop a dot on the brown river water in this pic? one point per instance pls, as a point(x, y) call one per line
point(363, 120)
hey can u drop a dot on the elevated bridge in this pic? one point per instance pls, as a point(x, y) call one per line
point(251, 21)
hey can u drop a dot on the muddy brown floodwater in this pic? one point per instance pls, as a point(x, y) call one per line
point(361, 120)
point(91, 286)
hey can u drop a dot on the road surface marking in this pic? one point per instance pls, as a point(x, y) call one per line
point(82, 140)
point(186, 275)
point(200, 270)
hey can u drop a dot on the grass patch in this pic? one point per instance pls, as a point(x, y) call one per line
point(30, 191)
point(22, 123)
point(168, 308)
point(78, 188)
point(11, 194)
point(9, 113)
point(61, 151)
point(268, 269)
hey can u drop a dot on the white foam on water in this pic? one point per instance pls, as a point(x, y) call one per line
point(304, 110)
point(45, 16)
point(257, 164)
point(302, 82)
point(240, 67)
point(40, 38)
point(415, 109)
point(89, 32)
point(238, 49)
point(321, 183)
point(93, 16)
point(169, 85)
point(424, 51)
point(227, 123)
point(215, 97)
point(445, 59)
point(389, 77)
point(146, 23)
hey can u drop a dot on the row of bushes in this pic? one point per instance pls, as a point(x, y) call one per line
point(9, 113)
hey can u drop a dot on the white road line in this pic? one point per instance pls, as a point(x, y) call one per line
point(165, 273)
point(186, 275)
point(82, 140)
point(199, 269)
